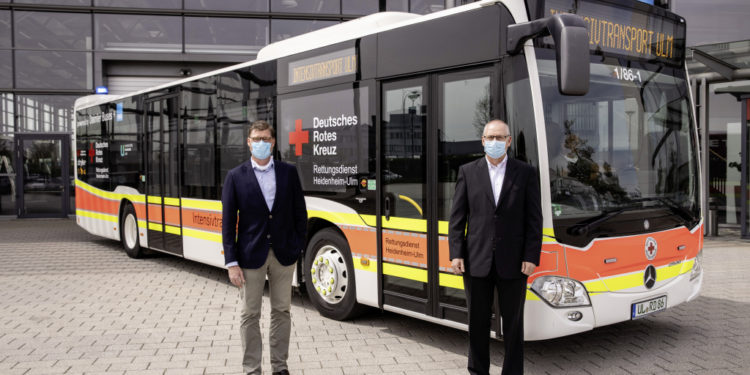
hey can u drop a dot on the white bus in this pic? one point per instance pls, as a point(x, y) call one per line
point(378, 113)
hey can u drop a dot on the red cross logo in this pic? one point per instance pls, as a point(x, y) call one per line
point(650, 248)
point(298, 137)
point(92, 152)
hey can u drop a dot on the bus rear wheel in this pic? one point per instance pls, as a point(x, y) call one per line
point(330, 276)
point(129, 232)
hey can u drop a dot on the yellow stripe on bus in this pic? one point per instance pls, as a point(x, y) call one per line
point(96, 215)
point(451, 281)
point(201, 204)
point(336, 217)
point(172, 229)
point(142, 224)
point(404, 272)
point(109, 195)
point(172, 201)
point(213, 237)
point(402, 223)
point(372, 266)
point(156, 227)
point(153, 199)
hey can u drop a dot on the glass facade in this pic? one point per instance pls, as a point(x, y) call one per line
point(55, 51)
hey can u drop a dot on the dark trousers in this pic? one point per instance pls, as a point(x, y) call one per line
point(511, 295)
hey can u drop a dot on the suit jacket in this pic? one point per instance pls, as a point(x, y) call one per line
point(510, 232)
point(283, 227)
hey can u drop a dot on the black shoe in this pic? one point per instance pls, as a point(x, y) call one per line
point(282, 372)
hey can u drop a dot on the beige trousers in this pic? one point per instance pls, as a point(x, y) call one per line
point(280, 291)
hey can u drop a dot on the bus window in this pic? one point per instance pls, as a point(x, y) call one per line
point(465, 107)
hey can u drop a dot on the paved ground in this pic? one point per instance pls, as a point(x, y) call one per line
point(72, 303)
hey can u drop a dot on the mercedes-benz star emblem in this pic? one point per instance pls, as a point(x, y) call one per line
point(646, 224)
point(650, 248)
point(649, 277)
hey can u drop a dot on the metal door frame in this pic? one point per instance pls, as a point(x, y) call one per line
point(65, 158)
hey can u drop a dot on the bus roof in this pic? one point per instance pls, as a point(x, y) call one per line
point(357, 28)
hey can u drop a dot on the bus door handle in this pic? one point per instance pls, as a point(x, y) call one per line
point(388, 207)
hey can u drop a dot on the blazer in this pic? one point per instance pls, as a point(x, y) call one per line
point(249, 234)
point(509, 233)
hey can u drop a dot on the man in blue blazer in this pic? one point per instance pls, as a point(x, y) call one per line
point(495, 237)
point(265, 195)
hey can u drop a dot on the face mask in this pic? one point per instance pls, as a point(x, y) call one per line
point(495, 149)
point(261, 150)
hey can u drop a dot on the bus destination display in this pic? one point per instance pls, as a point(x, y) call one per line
point(634, 34)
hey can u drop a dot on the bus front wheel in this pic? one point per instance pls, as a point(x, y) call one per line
point(330, 276)
point(129, 232)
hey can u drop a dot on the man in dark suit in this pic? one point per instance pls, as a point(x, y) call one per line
point(266, 196)
point(495, 242)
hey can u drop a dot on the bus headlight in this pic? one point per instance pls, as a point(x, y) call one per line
point(697, 268)
point(561, 291)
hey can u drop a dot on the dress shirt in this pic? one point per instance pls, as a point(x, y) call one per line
point(267, 181)
point(497, 175)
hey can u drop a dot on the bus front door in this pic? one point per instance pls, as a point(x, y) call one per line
point(162, 175)
point(406, 248)
point(431, 125)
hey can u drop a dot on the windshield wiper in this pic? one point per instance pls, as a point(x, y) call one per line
point(586, 226)
point(672, 206)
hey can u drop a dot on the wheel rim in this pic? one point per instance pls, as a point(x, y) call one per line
point(329, 275)
point(130, 231)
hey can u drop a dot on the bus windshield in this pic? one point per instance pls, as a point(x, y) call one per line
point(623, 152)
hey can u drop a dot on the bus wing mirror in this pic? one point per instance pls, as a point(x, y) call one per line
point(571, 48)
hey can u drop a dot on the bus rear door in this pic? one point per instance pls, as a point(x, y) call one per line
point(162, 175)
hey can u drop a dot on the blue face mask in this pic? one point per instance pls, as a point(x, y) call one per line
point(495, 149)
point(261, 150)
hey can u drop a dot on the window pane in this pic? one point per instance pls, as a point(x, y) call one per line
point(305, 6)
point(45, 113)
point(397, 5)
point(225, 35)
point(283, 29)
point(7, 176)
point(6, 113)
point(6, 69)
point(247, 5)
point(359, 6)
point(163, 4)
point(54, 2)
point(427, 6)
point(117, 32)
point(53, 70)
point(48, 30)
point(5, 29)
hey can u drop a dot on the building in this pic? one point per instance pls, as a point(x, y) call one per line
point(54, 51)
point(719, 67)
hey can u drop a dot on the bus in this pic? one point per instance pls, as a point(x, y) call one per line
point(378, 113)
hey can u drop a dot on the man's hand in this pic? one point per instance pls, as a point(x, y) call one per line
point(235, 276)
point(457, 265)
point(527, 268)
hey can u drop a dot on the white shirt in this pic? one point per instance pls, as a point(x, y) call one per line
point(497, 175)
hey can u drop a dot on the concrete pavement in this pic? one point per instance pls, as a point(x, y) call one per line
point(72, 303)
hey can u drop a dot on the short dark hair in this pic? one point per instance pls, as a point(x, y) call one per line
point(261, 125)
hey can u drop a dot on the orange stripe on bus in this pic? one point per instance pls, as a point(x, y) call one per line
point(204, 220)
point(408, 248)
point(361, 240)
point(630, 253)
point(154, 213)
point(172, 215)
point(91, 202)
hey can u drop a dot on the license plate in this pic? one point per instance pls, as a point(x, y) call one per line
point(641, 309)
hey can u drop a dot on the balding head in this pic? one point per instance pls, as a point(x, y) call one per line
point(494, 126)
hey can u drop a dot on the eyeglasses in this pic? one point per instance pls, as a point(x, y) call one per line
point(495, 137)
point(258, 139)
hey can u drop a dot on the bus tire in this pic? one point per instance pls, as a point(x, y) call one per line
point(330, 280)
point(129, 232)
